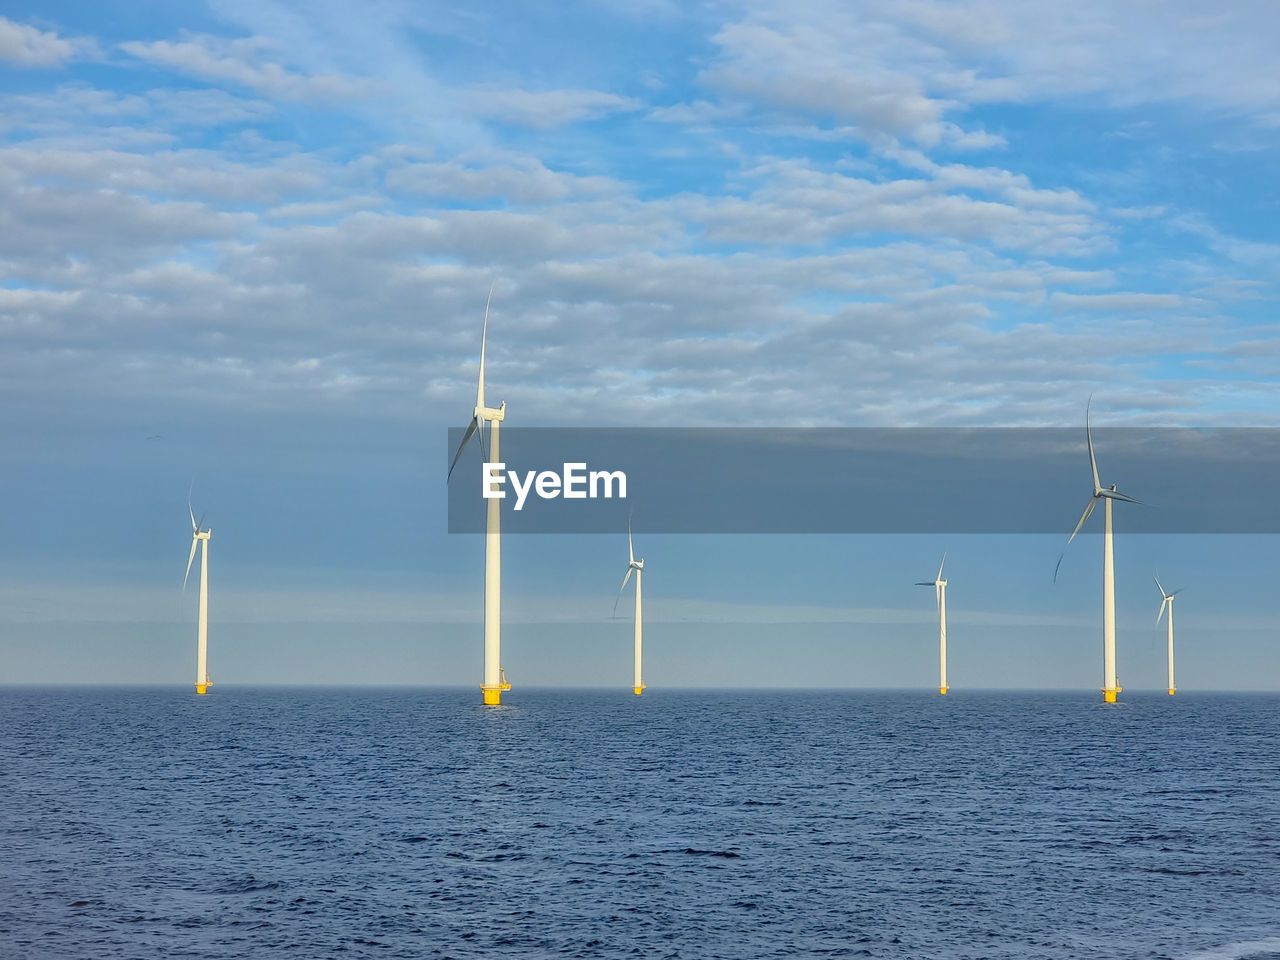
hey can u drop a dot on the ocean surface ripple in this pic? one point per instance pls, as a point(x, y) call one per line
point(147, 823)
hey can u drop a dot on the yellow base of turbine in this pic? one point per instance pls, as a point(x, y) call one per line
point(943, 690)
point(493, 695)
point(1172, 690)
point(1110, 695)
point(202, 688)
point(638, 690)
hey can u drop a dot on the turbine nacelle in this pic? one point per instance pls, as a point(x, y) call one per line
point(489, 414)
point(633, 566)
point(1166, 599)
point(197, 534)
point(937, 582)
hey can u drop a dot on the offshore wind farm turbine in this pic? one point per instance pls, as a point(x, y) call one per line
point(199, 537)
point(940, 587)
point(637, 567)
point(1110, 687)
point(1166, 602)
point(495, 679)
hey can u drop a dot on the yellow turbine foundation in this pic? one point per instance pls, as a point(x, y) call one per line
point(1172, 690)
point(203, 688)
point(493, 695)
point(943, 690)
point(1110, 695)
point(638, 690)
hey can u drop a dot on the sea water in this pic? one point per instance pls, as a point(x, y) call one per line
point(150, 823)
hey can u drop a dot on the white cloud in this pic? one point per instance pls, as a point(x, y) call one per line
point(254, 274)
point(27, 46)
point(1118, 301)
point(797, 204)
point(811, 68)
point(516, 179)
point(547, 109)
point(72, 108)
point(244, 61)
point(610, 308)
point(903, 71)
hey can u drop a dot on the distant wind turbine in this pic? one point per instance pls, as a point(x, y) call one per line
point(200, 536)
point(495, 679)
point(940, 587)
point(1167, 602)
point(1110, 687)
point(637, 567)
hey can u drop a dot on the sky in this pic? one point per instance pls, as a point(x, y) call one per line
point(245, 249)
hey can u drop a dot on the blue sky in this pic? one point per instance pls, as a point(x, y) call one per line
point(264, 236)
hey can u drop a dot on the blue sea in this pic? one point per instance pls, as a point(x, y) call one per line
point(151, 823)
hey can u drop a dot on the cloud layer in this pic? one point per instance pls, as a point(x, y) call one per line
point(819, 217)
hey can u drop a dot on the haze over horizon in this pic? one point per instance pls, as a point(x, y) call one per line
point(244, 250)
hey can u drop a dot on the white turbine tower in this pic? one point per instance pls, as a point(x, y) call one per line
point(1167, 602)
point(1110, 687)
point(198, 537)
point(495, 679)
point(940, 587)
point(637, 567)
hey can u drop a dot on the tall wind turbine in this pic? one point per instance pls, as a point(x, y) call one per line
point(495, 679)
point(1167, 602)
point(637, 567)
point(940, 587)
point(198, 537)
point(1110, 687)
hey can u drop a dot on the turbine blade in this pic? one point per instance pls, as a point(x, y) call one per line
point(937, 589)
point(1163, 603)
point(631, 553)
point(484, 336)
point(1116, 495)
point(1176, 592)
point(194, 527)
point(925, 583)
point(1093, 502)
point(471, 428)
point(190, 560)
point(1083, 517)
point(942, 564)
point(620, 589)
point(1088, 432)
point(200, 522)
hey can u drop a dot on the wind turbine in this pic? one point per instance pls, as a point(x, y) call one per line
point(1167, 602)
point(495, 679)
point(637, 567)
point(940, 587)
point(1110, 687)
point(198, 537)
